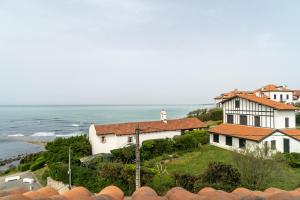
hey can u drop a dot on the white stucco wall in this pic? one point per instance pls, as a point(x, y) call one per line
point(277, 136)
point(280, 119)
point(278, 93)
point(115, 142)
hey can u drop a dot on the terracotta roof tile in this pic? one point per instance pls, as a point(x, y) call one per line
point(295, 133)
point(241, 131)
point(150, 126)
point(265, 101)
point(146, 193)
point(272, 87)
point(113, 191)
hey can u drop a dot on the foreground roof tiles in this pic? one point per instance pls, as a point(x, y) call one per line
point(265, 101)
point(150, 126)
point(146, 193)
point(241, 131)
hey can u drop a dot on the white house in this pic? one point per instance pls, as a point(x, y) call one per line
point(272, 92)
point(250, 121)
point(276, 93)
point(105, 138)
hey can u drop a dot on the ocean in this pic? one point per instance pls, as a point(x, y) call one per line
point(21, 125)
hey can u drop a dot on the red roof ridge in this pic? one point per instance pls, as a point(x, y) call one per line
point(150, 126)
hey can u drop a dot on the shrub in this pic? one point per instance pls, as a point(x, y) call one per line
point(58, 150)
point(185, 181)
point(23, 167)
point(38, 164)
point(185, 142)
point(222, 175)
point(214, 114)
point(157, 147)
point(256, 167)
point(124, 155)
point(293, 159)
point(29, 158)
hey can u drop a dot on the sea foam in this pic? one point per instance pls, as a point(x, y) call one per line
point(76, 125)
point(43, 134)
point(15, 135)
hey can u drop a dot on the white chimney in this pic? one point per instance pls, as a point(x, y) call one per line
point(163, 116)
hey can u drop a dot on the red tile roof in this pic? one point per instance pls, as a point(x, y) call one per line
point(265, 101)
point(274, 88)
point(177, 193)
point(295, 133)
point(150, 126)
point(241, 131)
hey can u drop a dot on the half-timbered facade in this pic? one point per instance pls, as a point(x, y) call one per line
point(250, 120)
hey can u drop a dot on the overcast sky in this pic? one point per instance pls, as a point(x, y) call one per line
point(144, 51)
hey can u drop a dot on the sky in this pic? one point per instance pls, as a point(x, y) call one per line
point(144, 51)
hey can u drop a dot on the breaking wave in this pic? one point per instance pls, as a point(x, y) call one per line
point(75, 125)
point(70, 134)
point(43, 134)
point(15, 135)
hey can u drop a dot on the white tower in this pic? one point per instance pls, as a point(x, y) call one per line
point(163, 116)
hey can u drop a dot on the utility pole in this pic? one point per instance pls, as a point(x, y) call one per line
point(69, 171)
point(137, 158)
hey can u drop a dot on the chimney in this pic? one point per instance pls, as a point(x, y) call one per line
point(163, 116)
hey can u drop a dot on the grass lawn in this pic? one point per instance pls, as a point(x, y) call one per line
point(195, 163)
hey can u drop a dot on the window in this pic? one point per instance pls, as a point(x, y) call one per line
point(103, 139)
point(230, 119)
point(242, 143)
point(287, 96)
point(129, 139)
point(281, 97)
point(243, 120)
point(257, 121)
point(273, 144)
point(275, 96)
point(228, 140)
point(287, 122)
point(216, 138)
point(237, 104)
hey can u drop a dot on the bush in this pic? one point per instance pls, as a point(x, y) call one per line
point(124, 155)
point(214, 114)
point(38, 164)
point(30, 158)
point(185, 142)
point(23, 167)
point(157, 147)
point(222, 175)
point(106, 174)
point(58, 150)
point(257, 167)
point(293, 159)
point(185, 181)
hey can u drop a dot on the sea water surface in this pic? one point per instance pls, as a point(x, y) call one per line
point(20, 125)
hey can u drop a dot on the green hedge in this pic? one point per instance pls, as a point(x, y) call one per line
point(189, 141)
point(121, 175)
point(154, 148)
point(23, 167)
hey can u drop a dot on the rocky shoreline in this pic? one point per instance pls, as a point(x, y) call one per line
point(12, 159)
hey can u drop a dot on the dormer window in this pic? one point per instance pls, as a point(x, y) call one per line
point(237, 104)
